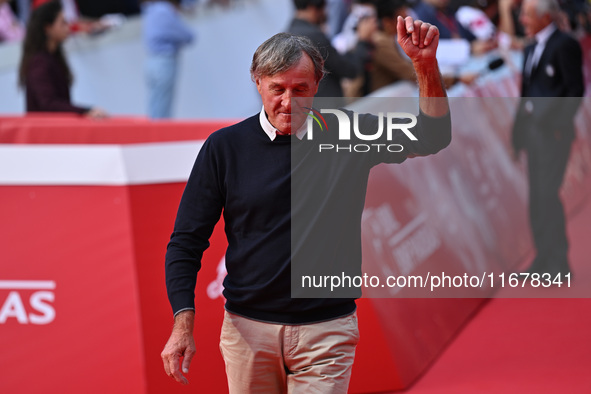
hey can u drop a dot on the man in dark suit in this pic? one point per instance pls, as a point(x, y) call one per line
point(552, 86)
point(310, 15)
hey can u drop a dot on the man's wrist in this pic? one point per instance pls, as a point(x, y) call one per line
point(184, 321)
point(425, 66)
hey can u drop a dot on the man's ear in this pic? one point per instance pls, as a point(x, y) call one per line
point(257, 81)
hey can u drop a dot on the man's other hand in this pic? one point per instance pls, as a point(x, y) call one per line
point(180, 345)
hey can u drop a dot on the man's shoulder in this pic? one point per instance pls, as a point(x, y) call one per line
point(235, 132)
point(562, 40)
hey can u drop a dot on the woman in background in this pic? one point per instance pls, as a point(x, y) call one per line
point(44, 71)
point(164, 35)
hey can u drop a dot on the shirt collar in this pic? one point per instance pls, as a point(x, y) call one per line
point(272, 131)
point(543, 35)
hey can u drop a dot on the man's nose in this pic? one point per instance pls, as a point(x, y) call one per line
point(286, 99)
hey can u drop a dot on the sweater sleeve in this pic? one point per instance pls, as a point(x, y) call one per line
point(199, 211)
point(432, 135)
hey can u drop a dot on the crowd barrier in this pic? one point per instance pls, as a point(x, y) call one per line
point(87, 208)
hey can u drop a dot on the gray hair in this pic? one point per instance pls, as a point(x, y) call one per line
point(544, 7)
point(281, 52)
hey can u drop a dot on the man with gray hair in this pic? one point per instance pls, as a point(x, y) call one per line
point(552, 84)
point(271, 342)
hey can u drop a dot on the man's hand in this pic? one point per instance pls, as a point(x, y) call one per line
point(180, 344)
point(418, 39)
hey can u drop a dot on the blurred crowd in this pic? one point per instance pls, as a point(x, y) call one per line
point(84, 16)
point(357, 37)
point(468, 29)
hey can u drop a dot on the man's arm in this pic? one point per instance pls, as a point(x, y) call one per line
point(199, 211)
point(419, 41)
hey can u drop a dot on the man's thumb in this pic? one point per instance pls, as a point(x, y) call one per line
point(187, 360)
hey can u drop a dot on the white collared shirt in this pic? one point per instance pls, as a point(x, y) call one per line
point(542, 38)
point(272, 131)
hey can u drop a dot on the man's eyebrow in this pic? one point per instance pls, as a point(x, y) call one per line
point(274, 85)
point(303, 84)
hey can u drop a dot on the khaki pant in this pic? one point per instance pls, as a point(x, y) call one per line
point(275, 358)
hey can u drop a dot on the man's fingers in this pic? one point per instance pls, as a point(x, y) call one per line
point(424, 30)
point(400, 27)
point(416, 34)
point(188, 356)
point(431, 33)
point(175, 371)
point(165, 361)
point(409, 25)
point(172, 366)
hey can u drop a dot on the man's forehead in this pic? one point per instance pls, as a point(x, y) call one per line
point(301, 72)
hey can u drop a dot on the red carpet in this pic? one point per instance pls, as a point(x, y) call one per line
point(523, 345)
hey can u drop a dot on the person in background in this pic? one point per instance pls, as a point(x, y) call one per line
point(23, 10)
point(551, 87)
point(95, 9)
point(164, 35)
point(509, 24)
point(477, 16)
point(336, 14)
point(347, 38)
point(10, 28)
point(44, 71)
point(390, 64)
point(440, 14)
point(310, 15)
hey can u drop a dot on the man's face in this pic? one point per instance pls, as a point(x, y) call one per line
point(277, 92)
point(531, 21)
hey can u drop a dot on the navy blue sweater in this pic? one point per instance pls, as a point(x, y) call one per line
point(283, 201)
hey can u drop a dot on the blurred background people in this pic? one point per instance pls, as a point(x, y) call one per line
point(10, 28)
point(440, 14)
point(347, 38)
point(164, 34)
point(476, 16)
point(310, 16)
point(91, 21)
point(390, 64)
point(509, 24)
point(96, 9)
point(544, 128)
point(336, 14)
point(44, 71)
